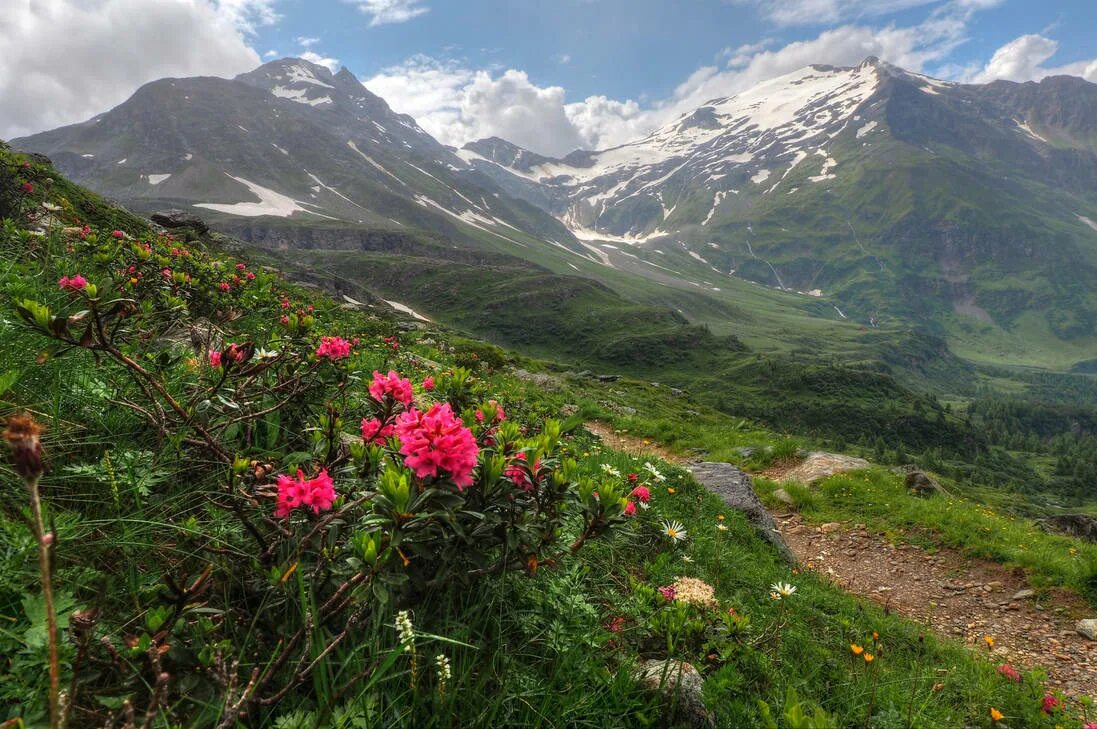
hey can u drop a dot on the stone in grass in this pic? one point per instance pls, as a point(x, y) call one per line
point(1023, 594)
point(1088, 628)
point(735, 488)
point(680, 684)
point(784, 497)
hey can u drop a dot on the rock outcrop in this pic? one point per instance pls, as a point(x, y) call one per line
point(819, 465)
point(735, 487)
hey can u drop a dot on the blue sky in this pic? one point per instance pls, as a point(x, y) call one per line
point(551, 75)
point(639, 49)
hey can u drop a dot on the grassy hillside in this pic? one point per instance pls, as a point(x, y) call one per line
point(183, 599)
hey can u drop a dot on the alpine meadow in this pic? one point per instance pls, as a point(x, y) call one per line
point(606, 364)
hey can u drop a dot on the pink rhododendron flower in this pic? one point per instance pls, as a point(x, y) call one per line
point(668, 592)
point(249, 276)
point(240, 266)
point(1050, 704)
point(437, 441)
point(317, 493)
point(374, 431)
point(27, 187)
point(214, 358)
point(1090, 725)
point(499, 415)
point(85, 231)
point(237, 353)
point(73, 283)
point(392, 385)
point(1010, 672)
point(225, 286)
point(641, 494)
point(521, 476)
point(428, 383)
point(333, 348)
point(117, 234)
point(630, 508)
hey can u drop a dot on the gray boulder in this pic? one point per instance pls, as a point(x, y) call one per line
point(1081, 526)
point(735, 487)
point(921, 483)
point(1088, 628)
point(680, 683)
point(179, 219)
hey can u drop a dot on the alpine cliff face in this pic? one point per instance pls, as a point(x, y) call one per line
point(288, 140)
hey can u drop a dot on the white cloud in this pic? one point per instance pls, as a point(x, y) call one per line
point(381, 12)
point(819, 12)
point(306, 41)
point(1023, 58)
point(75, 58)
point(458, 104)
point(332, 64)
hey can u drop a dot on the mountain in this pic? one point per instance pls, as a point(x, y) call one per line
point(969, 209)
point(289, 140)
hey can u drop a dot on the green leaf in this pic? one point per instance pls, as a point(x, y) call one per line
point(8, 379)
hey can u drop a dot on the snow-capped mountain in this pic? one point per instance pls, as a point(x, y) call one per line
point(288, 140)
point(889, 192)
point(752, 140)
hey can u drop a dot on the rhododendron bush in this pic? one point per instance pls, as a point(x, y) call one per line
point(353, 474)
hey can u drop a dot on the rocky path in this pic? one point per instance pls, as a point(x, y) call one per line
point(956, 597)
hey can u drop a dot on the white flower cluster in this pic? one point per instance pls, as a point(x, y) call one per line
point(442, 664)
point(404, 628)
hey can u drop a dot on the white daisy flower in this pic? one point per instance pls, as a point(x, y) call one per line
point(674, 530)
point(781, 590)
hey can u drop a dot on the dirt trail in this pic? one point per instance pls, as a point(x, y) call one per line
point(632, 445)
point(957, 597)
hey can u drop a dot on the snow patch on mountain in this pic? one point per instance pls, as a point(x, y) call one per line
point(1024, 127)
point(716, 200)
point(405, 309)
point(868, 127)
point(303, 74)
point(157, 179)
point(299, 95)
point(374, 162)
point(270, 203)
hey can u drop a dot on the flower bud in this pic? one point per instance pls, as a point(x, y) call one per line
point(23, 434)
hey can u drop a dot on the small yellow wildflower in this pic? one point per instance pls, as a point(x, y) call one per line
point(857, 650)
point(996, 715)
point(989, 640)
point(670, 490)
point(869, 658)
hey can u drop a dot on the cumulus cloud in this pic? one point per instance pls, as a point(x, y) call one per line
point(64, 69)
point(381, 12)
point(1023, 59)
point(457, 104)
